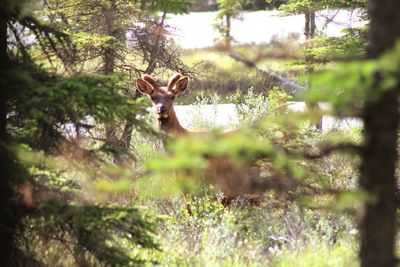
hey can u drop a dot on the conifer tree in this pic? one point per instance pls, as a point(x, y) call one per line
point(127, 37)
point(379, 156)
point(42, 209)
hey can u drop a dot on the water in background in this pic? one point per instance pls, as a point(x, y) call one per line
point(195, 30)
point(226, 116)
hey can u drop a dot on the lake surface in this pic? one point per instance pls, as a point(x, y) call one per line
point(195, 30)
point(225, 116)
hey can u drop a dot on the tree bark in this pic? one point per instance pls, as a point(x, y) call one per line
point(109, 66)
point(313, 26)
point(228, 37)
point(8, 220)
point(158, 43)
point(109, 55)
point(309, 27)
point(379, 156)
point(309, 32)
point(127, 135)
point(5, 64)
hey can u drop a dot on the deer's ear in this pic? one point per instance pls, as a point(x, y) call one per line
point(180, 85)
point(144, 87)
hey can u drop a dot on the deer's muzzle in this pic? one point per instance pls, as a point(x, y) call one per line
point(162, 111)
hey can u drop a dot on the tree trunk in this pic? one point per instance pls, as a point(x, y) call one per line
point(109, 60)
point(228, 37)
point(127, 135)
point(313, 27)
point(5, 64)
point(158, 44)
point(109, 66)
point(377, 225)
point(309, 32)
point(309, 26)
point(109, 55)
point(8, 220)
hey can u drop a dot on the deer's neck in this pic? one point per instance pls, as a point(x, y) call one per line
point(171, 125)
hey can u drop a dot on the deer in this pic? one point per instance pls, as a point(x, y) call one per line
point(220, 172)
point(162, 98)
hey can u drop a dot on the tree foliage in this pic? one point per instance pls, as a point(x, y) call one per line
point(228, 10)
point(117, 33)
point(62, 89)
point(50, 113)
point(299, 6)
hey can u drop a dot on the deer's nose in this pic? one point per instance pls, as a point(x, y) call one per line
point(163, 109)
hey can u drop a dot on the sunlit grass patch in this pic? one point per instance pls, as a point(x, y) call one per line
point(319, 255)
point(244, 236)
point(219, 73)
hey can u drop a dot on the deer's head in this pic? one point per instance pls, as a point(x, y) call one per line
point(162, 97)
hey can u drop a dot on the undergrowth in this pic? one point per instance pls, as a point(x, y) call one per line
point(220, 74)
point(279, 232)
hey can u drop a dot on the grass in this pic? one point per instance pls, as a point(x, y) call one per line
point(220, 74)
point(322, 255)
point(280, 232)
point(246, 236)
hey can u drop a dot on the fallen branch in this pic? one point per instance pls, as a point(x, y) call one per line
point(326, 151)
point(320, 153)
point(294, 87)
point(278, 78)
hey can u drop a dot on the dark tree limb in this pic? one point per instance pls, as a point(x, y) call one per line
point(322, 152)
point(326, 151)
